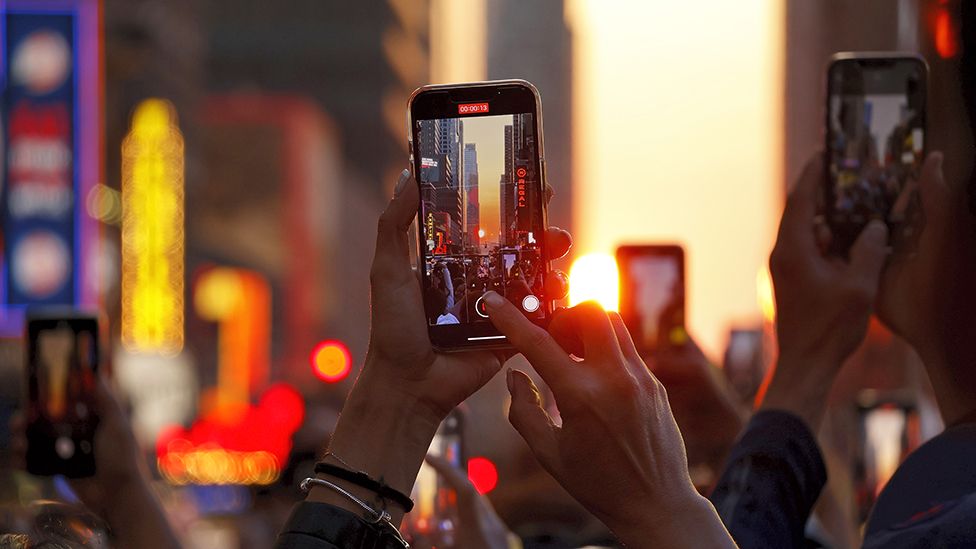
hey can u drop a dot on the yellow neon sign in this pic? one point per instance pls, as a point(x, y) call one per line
point(152, 231)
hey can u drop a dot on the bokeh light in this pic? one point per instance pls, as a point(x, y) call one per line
point(483, 474)
point(331, 361)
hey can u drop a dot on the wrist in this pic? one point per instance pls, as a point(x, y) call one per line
point(800, 385)
point(383, 432)
point(687, 521)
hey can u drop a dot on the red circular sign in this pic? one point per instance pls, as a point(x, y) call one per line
point(520, 172)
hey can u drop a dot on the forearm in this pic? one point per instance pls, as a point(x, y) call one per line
point(137, 519)
point(383, 433)
point(774, 476)
point(693, 523)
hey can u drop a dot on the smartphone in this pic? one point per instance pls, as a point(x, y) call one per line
point(890, 429)
point(435, 511)
point(744, 365)
point(875, 145)
point(62, 365)
point(477, 154)
point(652, 295)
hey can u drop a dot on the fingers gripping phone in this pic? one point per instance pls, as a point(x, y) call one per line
point(875, 146)
point(652, 295)
point(477, 155)
point(62, 362)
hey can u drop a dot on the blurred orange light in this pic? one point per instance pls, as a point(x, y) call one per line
point(483, 474)
point(593, 277)
point(331, 361)
point(765, 296)
point(211, 464)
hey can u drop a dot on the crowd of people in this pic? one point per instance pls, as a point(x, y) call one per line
point(604, 426)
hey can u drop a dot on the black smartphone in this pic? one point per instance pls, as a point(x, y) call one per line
point(477, 155)
point(62, 365)
point(652, 295)
point(875, 145)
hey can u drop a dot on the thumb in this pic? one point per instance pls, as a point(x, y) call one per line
point(530, 420)
point(392, 247)
point(868, 254)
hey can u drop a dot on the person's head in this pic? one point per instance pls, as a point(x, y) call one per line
point(930, 299)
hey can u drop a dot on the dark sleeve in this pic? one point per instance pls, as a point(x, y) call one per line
point(314, 525)
point(773, 477)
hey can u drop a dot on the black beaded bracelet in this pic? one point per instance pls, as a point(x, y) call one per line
point(365, 481)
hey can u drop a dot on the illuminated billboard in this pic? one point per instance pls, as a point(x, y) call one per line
point(51, 116)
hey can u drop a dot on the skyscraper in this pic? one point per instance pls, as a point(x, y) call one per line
point(531, 40)
point(439, 146)
point(473, 218)
point(506, 195)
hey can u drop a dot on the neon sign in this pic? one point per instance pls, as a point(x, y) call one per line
point(152, 231)
point(51, 122)
point(520, 173)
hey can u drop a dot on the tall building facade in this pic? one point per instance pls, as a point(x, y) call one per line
point(472, 204)
point(531, 40)
point(440, 159)
point(516, 203)
point(506, 194)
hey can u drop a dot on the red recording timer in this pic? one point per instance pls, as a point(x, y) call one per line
point(472, 108)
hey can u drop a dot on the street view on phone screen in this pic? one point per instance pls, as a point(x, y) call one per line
point(481, 216)
point(653, 299)
point(876, 142)
point(62, 367)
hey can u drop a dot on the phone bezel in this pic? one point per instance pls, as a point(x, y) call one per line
point(515, 97)
point(624, 254)
point(843, 235)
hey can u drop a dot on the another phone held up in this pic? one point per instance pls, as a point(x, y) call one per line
point(477, 155)
point(652, 295)
point(62, 365)
point(435, 514)
point(875, 146)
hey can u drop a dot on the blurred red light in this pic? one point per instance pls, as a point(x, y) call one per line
point(483, 474)
point(946, 41)
point(331, 361)
point(284, 406)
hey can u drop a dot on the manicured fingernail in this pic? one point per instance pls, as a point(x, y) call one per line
point(401, 183)
point(510, 380)
point(492, 299)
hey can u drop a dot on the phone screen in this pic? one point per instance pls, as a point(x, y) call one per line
point(889, 431)
point(652, 295)
point(435, 511)
point(875, 144)
point(482, 224)
point(62, 363)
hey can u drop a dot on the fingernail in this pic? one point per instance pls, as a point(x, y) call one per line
point(401, 183)
point(877, 230)
point(492, 299)
point(510, 380)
